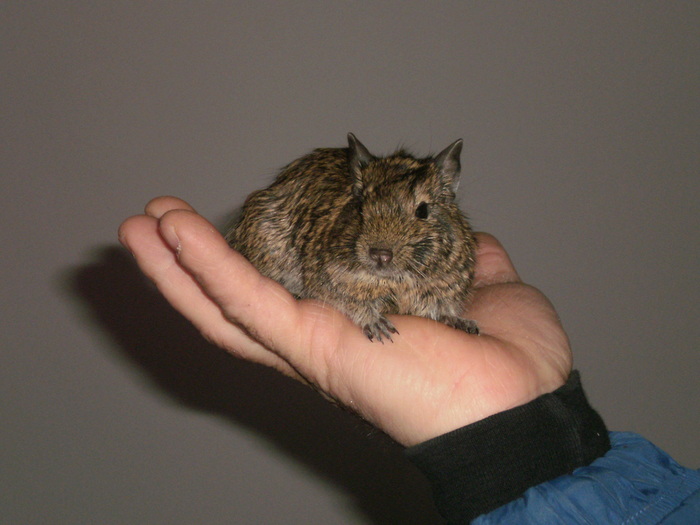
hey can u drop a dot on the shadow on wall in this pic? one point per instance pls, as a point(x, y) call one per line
point(335, 444)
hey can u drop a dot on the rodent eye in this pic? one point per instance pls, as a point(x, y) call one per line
point(422, 210)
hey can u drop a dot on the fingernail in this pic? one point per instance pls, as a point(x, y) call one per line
point(171, 238)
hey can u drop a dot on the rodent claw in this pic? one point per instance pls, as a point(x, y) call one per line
point(469, 326)
point(380, 330)
point(466, 325)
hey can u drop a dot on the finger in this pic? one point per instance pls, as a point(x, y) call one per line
point(161, 205)
point(264, 308)
point(156, 259)
point(493, 266)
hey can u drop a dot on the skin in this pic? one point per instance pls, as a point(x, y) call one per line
point(432, 379)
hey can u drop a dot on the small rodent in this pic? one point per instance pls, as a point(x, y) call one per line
point(369, 235)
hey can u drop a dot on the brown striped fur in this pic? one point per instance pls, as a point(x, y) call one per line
point(369, 235)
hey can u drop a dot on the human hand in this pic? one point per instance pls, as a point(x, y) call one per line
point(432, 379)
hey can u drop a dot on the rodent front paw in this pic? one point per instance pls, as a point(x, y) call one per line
point(378, 329)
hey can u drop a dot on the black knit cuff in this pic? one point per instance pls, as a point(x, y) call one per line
point(482, 466)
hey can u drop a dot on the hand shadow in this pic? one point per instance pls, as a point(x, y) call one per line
point(337, 445)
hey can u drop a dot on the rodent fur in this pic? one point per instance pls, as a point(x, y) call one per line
point(369, 235)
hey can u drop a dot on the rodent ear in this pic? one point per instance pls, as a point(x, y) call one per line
point(448, 165)
point(359, 156)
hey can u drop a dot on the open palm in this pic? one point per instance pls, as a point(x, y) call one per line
point(430, 380)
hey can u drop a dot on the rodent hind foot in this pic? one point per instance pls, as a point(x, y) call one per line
point(380, 329)
point(466, 325)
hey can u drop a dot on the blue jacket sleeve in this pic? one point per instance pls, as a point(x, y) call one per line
point(635, 483)
point(552, 461)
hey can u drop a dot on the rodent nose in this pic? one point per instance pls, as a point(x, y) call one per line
point(381, 256)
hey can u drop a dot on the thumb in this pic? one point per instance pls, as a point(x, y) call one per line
point(493, 265)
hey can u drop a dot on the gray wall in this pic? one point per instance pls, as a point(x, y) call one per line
point(581, 129)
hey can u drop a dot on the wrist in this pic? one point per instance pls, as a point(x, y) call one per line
point(484, 465)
